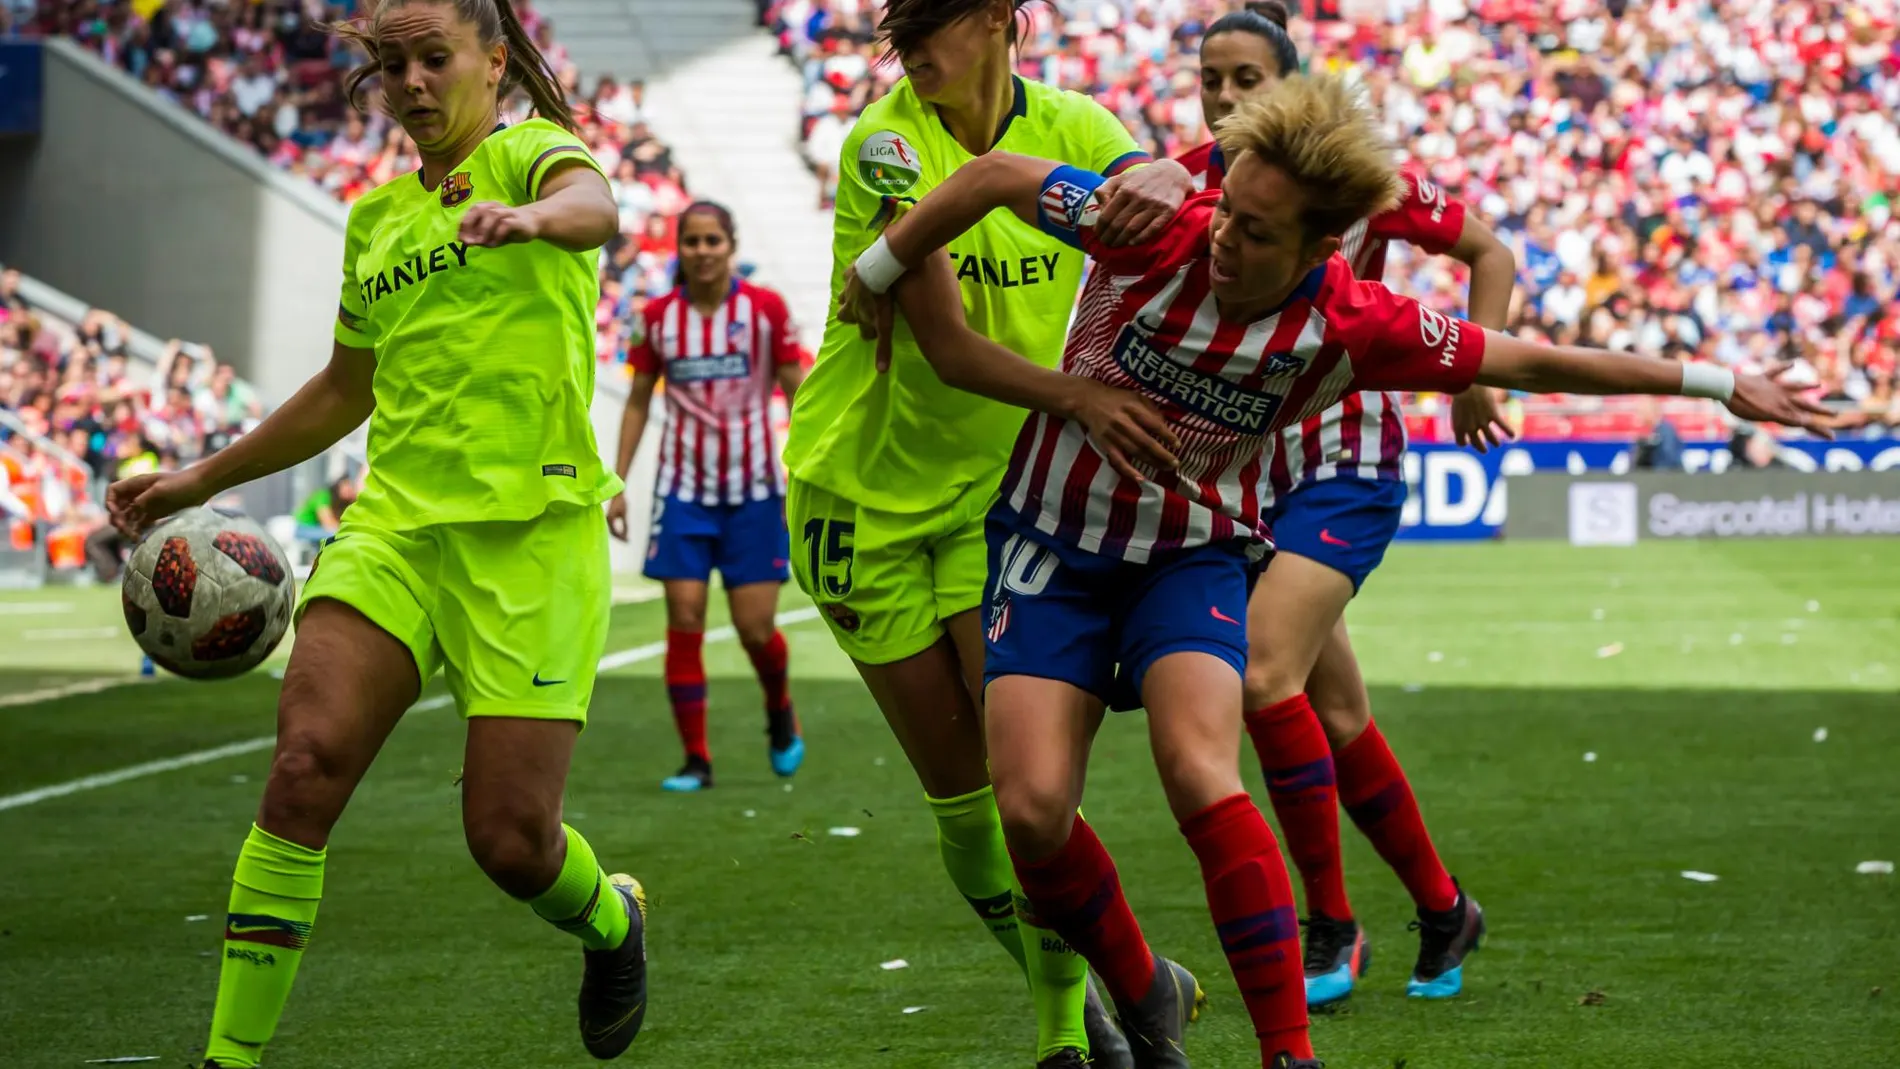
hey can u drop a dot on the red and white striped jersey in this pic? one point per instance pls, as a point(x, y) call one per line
point(717, 445)
point(1363, 436)
point(1149, 322)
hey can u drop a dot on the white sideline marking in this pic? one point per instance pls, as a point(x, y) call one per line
point(66, 634)
point(611, 661)
point(35, 608)
point(66, 690)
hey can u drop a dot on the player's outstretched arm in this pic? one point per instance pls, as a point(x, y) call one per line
point(1121, 422)
point(576, 212)
point(333, 403)
point(1520, 365)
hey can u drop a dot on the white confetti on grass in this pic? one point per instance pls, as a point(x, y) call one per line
point(1699, 877)
point(1412, 688)
point(1610, 650)
point(844, 833)
point(1820, 734)
point(1814, 606)
point(1435, 656)
point(915, 1009)
point(1874, 868)
point(1788, 639)
point(128, 1060)
point(196, 917)
point(1596, 614)
point(894, 964)
point(1590, 757)
point(750, 813)
point(1735, 639)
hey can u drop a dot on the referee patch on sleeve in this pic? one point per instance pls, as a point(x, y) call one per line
point(560, 469)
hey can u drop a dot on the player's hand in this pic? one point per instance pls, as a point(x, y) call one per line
point(490, 224)
point(872, 313)
point(617, 517)
point(1138, 203)
point(1124, 424)
point(1770, 399)
point(137, 503)
point(1477, 421)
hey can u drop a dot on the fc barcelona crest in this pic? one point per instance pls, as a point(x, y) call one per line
point(457, 188)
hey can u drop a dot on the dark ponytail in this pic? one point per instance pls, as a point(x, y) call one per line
point(1265, 19)
point(720, 215)
point(907, 24)
point(495, 22)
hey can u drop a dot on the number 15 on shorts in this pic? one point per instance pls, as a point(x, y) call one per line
point(828, 545)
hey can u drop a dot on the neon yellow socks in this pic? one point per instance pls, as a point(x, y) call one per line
point(970, 841)
point(274, 896)
point(581, 901)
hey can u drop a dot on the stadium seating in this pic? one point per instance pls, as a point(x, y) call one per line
point(78, 409)
point(267, 76)
point(1675, 178)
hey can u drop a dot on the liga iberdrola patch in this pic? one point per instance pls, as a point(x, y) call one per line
point(887, 164)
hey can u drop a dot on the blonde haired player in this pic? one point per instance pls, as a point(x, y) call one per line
point(1111, 586)
point(477, 545)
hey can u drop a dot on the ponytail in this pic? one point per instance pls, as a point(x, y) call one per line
point(495, 22)
point(529, 70)
point(1267, 20)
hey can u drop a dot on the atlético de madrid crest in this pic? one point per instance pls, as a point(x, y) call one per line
point(457, 188)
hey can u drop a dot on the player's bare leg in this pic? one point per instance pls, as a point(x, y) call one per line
point(754, 616)
point(1291, 617)
point(347, 684)
point(685, 670)
point(514, 773)
point(1194, 702)
point(1039, 734)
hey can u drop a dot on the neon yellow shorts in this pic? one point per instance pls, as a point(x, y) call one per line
point(886, 581)
point(515, 613)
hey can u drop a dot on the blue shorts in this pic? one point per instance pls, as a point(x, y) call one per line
point(747, 543)
point(1344, 524)
point(1098, 623)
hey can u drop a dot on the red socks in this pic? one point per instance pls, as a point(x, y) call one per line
point(769, 662)
point(1077, 894)
point(1252, 903)
point(1380, 801)
point(1298, 762)
point(686, 689)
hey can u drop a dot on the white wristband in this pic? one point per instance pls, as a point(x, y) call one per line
point(1707, 380)
point(877, 268)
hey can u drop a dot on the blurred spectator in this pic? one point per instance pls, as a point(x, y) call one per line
point(317, 517)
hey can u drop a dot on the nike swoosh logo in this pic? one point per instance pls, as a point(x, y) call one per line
point(539, 682)
point(608, 1030)
point(1327, 537)
point(1221, 616)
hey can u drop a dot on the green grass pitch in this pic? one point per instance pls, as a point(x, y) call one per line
point(1698, 674)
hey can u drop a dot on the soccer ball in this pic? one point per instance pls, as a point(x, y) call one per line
point(208, 594)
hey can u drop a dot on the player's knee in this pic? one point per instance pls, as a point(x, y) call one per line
point(1036, 816)
point(1344, 718)
point(1266, 681)
point(517, 849)
point(306, 790)
point(755, 635)
point(686, 618)
point(1194, 781)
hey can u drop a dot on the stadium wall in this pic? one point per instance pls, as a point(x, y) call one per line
point(143, 209)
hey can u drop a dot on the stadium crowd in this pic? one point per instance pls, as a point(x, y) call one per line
point(105, 415)
point(1708, 179)
point(268, 75)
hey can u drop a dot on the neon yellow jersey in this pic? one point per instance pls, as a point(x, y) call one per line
point(484, 356)
point(903, 441)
